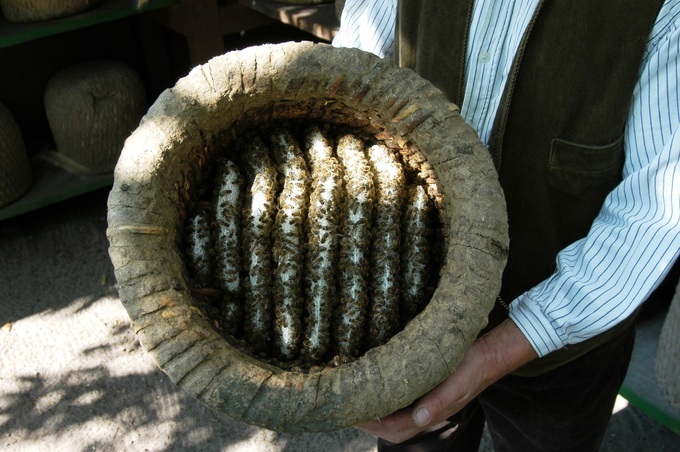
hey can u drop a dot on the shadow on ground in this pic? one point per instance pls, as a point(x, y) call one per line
point(73, 374)
point(50, 257)
point(75, 378)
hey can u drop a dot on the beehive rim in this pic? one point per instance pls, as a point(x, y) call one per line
point(309, 415)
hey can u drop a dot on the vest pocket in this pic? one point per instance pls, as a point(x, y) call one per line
point(585, 171)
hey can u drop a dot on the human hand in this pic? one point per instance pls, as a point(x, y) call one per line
point(489, 358)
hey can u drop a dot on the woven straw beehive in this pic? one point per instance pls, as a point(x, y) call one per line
point(15, 167)
point(92, 108)
point(165, 160)
point(37, 10)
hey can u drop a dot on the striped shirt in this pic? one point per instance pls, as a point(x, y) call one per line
point(602, 278)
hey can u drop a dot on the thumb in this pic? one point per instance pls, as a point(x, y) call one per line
point(429, 408)
point(422, 416)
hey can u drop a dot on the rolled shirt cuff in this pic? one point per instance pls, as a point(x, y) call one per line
point(535, 325)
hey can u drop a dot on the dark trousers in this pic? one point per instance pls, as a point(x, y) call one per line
point(565, 409)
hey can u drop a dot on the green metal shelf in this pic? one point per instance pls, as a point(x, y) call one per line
point(52, 183)
point(17, 33)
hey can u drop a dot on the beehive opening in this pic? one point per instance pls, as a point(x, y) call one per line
point(329, 316)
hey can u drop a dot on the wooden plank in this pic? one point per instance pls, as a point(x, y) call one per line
point(235, 18)
point(17, 33)
point(319, 20)
point(204, 37)
point(640, 387)
point(204, 23)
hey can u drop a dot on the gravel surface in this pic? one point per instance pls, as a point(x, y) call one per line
point(74, 378)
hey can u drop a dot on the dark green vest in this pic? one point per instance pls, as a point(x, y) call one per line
point(557, 136)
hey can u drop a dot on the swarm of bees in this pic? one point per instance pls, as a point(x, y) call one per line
point(311, 245)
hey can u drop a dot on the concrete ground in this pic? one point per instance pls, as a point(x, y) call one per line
point(74, 378)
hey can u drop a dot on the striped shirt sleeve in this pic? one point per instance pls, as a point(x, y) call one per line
point(368, 25)
point(634, 241)
point(604, 277)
